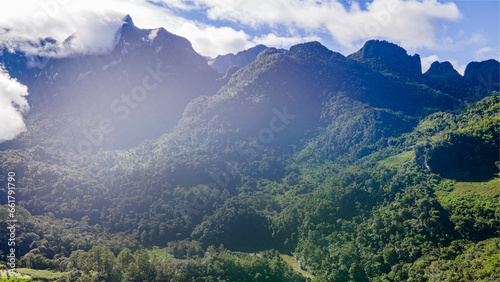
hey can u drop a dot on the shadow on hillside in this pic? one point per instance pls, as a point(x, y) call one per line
point(484, 175)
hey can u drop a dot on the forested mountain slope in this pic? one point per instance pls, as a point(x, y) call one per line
point(359, 168)
point(88, 102)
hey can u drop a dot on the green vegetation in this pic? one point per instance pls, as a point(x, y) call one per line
point(360, 174)
point(41, 275)
point(295, 264)
point(489, 188)
point(18, 276)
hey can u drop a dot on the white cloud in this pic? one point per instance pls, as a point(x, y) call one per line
point(459, 67)
point(180, 4)
point(95, 22)
point(12, 104)
point(29, 20)
point(427, 62)
point(476, 38)
point(273, 40)
point(410, 23)
point(212, 41)
point(486, 53)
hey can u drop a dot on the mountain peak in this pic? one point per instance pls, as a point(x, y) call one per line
point(314, 46)
point(388, 57)
point(223, 62)
point(440, 69)
point(127, 20)
point(313, 50)
point(485, 73)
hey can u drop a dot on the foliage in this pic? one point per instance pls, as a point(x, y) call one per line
point(360, 174)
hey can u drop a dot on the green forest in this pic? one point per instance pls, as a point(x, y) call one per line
point(360, 170)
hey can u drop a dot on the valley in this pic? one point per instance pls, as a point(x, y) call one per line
point(148, 164)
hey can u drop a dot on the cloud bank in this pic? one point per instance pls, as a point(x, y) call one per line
point(223, 26)
point(411, 23)
point(12, 104)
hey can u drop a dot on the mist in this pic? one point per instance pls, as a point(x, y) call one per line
point(12, 104)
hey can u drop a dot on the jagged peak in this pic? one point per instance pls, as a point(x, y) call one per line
point(376, 45)
point(257, 48)
point(388, 57)
point(127, 20)
point(309, 46)
point(222, 63)
point(313, 49)
point(442, 68)
point(128, 25)
point(485, 74)
point(487, 65)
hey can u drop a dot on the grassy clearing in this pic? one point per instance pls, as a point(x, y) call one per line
point(295, 264)
point(398, 160)
point(159, 254)
point(469, 199)
point(291, 261)
point(4, 276)
point(27, 274)
point(38, 274)
point(490, 188)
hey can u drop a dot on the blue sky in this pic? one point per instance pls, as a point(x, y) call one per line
point(457, 31)
point(475, 35)
point(470, 35)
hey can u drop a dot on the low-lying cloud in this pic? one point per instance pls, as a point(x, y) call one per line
point(91, 28)
point(223, 26)
point(12, 104)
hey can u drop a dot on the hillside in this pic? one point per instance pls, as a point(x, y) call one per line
point(361, 167)
point(223, 63)
point(114, 100)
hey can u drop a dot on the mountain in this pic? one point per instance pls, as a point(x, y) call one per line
point(479, 79)
point(116, 100)
point(360, 167)
point(484, 74)
point(223, 62)
point(388, 57)
point(445, 69)
point(304, 80)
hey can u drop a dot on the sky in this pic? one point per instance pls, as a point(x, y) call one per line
point(457, 31)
